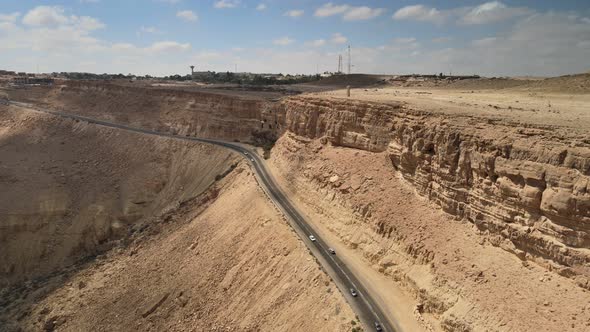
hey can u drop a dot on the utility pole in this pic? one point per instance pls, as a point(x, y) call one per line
point(339, 63)
point(236, 69)
point(349, 60)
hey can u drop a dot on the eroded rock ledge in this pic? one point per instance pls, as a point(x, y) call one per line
point(528, 186)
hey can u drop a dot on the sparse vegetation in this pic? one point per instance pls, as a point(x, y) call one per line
point(247, 78)
point(224, 174)
point(264, 139)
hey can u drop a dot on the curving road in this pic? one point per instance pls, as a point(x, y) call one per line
point(363, 304)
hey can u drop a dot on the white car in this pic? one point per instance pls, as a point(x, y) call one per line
point(312, 238)
point(332, 251)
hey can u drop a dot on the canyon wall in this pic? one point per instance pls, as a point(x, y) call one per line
point(191, 112)
point(527, 187)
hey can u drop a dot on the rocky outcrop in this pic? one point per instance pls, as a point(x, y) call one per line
point(358, 125)
point(527, 187)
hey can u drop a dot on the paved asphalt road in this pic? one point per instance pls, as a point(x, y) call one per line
point(364, 306)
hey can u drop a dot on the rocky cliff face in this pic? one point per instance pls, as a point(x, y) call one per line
point(185, 112)
point(527, 187)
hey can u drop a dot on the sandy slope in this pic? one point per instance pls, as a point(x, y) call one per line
point(218, 260)
point(70, 190)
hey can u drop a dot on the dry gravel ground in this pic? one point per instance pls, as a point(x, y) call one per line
point(560, 101)
point(470, 284)
point(222, 259)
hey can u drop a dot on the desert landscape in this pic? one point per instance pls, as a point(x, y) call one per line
point(458, 215)
point(294, 166)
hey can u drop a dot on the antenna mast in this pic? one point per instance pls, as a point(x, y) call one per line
point(349, 60)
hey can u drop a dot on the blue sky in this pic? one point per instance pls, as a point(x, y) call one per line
point(161, 37)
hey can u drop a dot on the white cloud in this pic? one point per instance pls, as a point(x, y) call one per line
point(348, 12)
point(221, 4)
point(404, 40)
point(543, 44)
point(362, 13)
point(57, 41)
point(46, 16)
point(586, 20)
point(7, 21)
point(294, 13)
point(420, 13)
point(442, 39)
point(491, 12)
point(86, 23)
point(9, 17)
point(169, 46)
point(538, 44)
point(261, 7)
point(283, 41)
point(123, 47)
point(316, 43)
point(338, 38)
point(144, 29)
point(329, 9)
point(488, 41)
point(187, 15)
point(52, 17)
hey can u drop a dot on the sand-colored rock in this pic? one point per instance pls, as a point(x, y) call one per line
point(530, 189)
point(461, 277)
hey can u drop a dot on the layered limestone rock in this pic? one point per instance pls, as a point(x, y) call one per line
point(528, 187)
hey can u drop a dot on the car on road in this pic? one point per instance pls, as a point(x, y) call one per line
point(252, 159)
point(378, 327)
point(353, 292)
point(246, 153)
point(332, 251)
point(312, 238)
